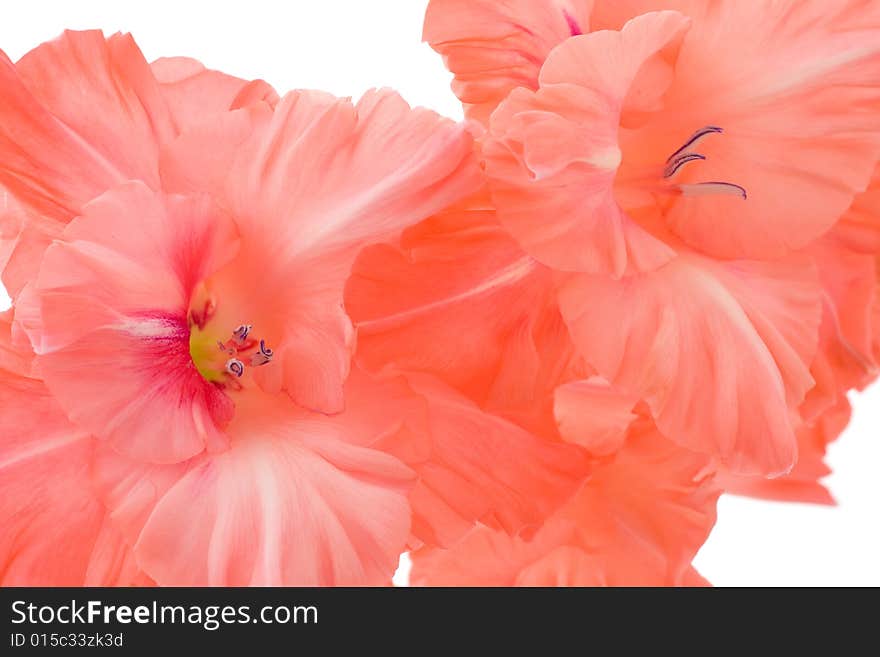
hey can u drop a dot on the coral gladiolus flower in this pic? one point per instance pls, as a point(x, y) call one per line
point(641, 153)
point(263, 340)
point(189, 327)
point(650, 127)
point(494, 48)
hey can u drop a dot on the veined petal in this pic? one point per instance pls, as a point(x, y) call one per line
point(292, 502)
point(719, 351)
point(803, 483)
point(638, 521)
point(376, 168)
point(793, 84)
point(54, 527)
point(80, 115)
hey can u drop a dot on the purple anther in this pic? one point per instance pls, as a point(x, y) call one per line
point(679, 162)
point(263, 356)
point(241, 333)
point(697, 136)
point(235, 367)
point(714, 188)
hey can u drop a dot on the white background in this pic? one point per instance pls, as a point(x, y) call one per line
point(348, 46)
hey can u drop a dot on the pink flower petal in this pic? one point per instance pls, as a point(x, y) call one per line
point(493, 47)
point(55, 531)
point(638, 521)
point(719, 351)
point(292, 502)
point(193, 93)
point(112, 335)
point(81, 114)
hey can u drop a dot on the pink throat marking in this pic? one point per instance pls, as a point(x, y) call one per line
point(573, 25)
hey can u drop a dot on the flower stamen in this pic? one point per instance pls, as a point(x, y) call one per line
point(673, 167)
point(685, 155)
point(240, 334)
point(235, 367)
point(714, 189)
point(695, 139)
point(263, 356)
point(228, 363)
